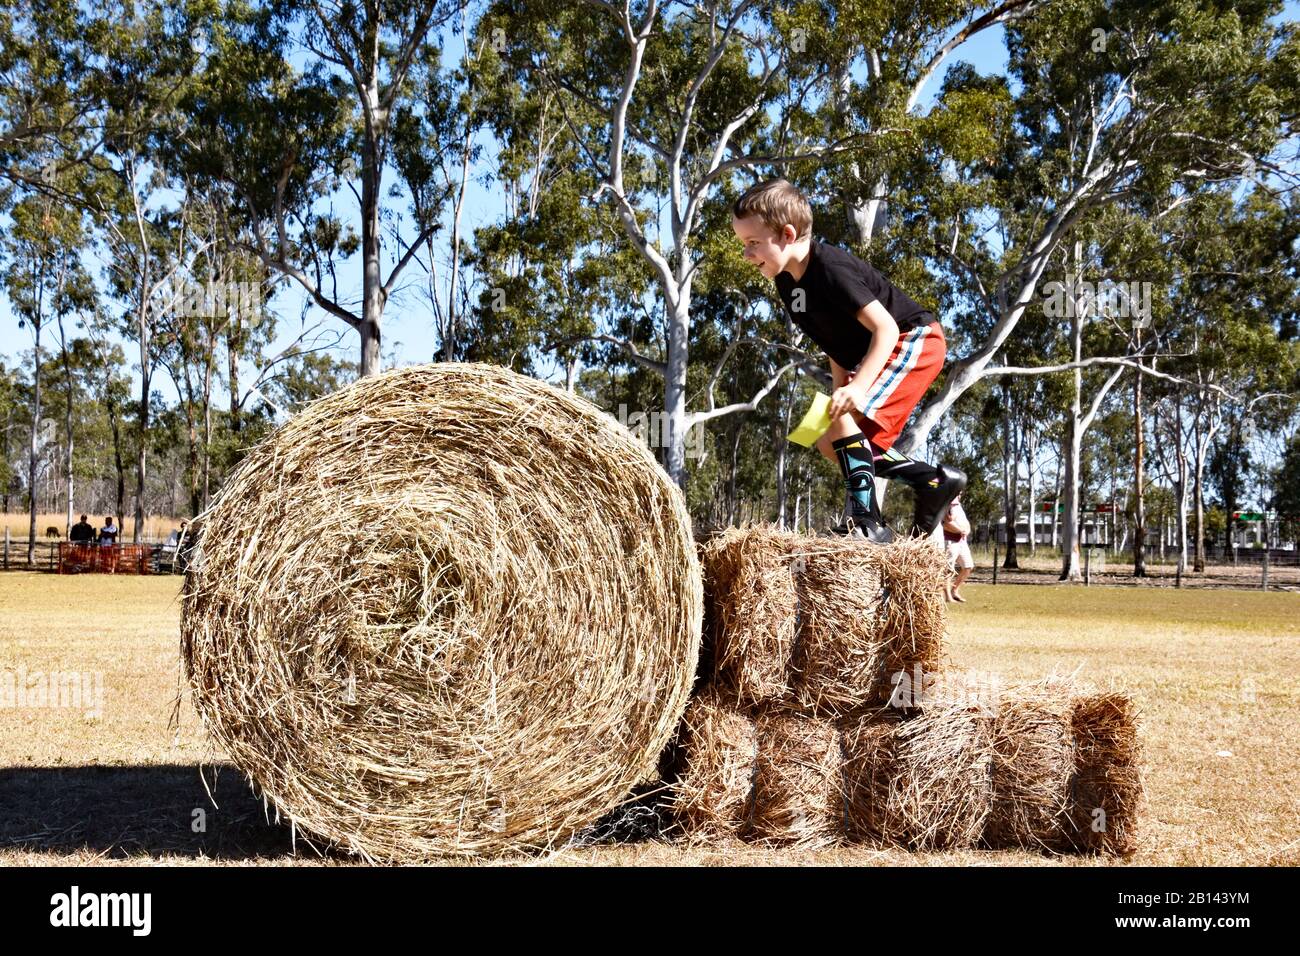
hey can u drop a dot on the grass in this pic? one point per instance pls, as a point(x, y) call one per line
point(1213, 671)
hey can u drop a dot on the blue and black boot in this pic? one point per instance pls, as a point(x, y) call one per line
point(862, 518)
point(935, 487)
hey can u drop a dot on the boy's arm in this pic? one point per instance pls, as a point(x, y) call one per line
point(839, 374)
point(884, 336)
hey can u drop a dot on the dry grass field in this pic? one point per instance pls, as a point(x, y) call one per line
point(155, 526)
point(108, 778)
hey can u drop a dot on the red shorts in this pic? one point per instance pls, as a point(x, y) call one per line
point(915, 362)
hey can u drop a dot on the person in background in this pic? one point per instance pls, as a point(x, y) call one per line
point(108, 539)
point(189, 537)
point(174, 538)
point(83, 532)
point(956, 530)
point(108, 533)
point(174, 549)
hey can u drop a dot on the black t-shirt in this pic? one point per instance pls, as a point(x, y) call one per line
point(836, 284)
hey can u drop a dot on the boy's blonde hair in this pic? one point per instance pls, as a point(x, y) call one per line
point(777, 202)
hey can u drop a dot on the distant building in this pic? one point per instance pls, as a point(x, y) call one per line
point(1248, 531)
point(1097, 528)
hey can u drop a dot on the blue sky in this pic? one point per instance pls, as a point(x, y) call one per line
point(408, 336)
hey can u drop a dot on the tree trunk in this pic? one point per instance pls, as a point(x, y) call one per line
point(449, 337)
point(140, 465)
point(1139, 492)
point(1056, 501)
point(192, 460)
point(782, 454)
point(234, 347)
point(141, 471)
point(1198, 561)
point(67, 424)
point(1070, 570)
point(372, 284)
point(115, 423)
point(1009, 470)
point(370, 360)
point(207, 425)
point(1031, 453)
point(31, 448)
point(9, 424)
point(1180, 453)
point(1114, 514)
point(679, 326)
point(732, 500)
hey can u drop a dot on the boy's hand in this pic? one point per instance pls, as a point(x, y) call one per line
point(847, 398)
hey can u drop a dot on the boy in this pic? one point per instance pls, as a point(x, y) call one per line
point(884, 352)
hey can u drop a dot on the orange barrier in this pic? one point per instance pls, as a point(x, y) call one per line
point(105, 559)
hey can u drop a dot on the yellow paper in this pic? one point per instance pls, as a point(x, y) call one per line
point(815, 422)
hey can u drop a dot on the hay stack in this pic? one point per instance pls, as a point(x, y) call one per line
point(1043, 767)
point(1108, 796)
point(1066, 770)
point(719, 745)
point(753, 613)
point(797, 796)
point(446, 610)
point(921, 783)
point(1033, 768)
point(866, 613)
point(818, 625)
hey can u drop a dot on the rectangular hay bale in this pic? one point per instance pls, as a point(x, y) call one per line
point(797, 787)
point(719, 744)
point(748, 581)
point(819, 625)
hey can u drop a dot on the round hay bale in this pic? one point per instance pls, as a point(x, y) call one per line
point(797, 794)
point(711, 796)
point(446, 610)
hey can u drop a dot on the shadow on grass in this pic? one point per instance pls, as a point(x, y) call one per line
point(121, 812)
point(127, 811)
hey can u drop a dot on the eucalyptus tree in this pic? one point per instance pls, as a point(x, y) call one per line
point(294, 148)
point(42, 275)
point(1117, 100)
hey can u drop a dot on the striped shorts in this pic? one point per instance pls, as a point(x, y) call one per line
point(915, 362)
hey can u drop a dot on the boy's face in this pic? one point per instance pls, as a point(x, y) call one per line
point(764, 248)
